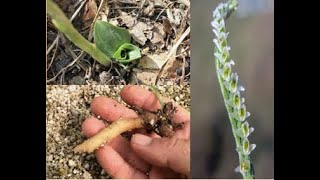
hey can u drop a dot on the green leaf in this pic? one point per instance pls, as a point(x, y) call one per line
point(127, 52)
point(108, 38)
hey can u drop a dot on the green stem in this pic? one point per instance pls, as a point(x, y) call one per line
point(156, 92)
point(63, 24)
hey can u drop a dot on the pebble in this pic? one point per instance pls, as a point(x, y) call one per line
point(71, 163)
point(72, 88)
point(103, 172)
point(50, 158)
point(87, 166)
point(57, 139)
point(90, 156)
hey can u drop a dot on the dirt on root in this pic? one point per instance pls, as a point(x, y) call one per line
point(161, 28)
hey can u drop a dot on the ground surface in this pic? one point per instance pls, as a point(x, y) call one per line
point(66, 108)
point(156, 27)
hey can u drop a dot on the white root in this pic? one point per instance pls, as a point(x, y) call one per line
point(107, 134)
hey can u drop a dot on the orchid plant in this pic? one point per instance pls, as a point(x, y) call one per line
point(111, 42)
point(230, 88)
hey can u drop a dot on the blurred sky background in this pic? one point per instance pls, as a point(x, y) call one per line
point(251, 38)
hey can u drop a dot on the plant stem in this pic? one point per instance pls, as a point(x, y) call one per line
point(63, 24)
point(156, 92)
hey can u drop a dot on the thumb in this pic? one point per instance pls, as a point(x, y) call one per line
point(164, 152)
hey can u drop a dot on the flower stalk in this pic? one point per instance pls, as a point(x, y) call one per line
point(230, 89)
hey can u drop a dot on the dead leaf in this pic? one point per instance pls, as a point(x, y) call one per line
point(104, 77)
point(177, 14)
point(157, 40)
point(114, 22)
point(149, 34)
point(175, 17)
point(153, 61)
point(159, 28)
point(158, 3)
point(135, 28)
point(167, 26)
point(145, 50)
point(146, 76)
point(149, 10)
point(169, 71)
point(185, 2)
point(128, 20)
point(137, 32)
point(90, 10)
point(157, 35)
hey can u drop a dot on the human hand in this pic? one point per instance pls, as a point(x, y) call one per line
point(146, 156)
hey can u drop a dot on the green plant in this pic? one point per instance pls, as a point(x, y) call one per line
point(109, 41)
point(228, 81)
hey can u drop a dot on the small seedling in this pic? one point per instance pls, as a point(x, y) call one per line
point(109, 41)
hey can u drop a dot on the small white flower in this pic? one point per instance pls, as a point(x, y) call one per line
point(244, 167)
point(225, 72)
point(241, 88)
point(246, 130)
point(223, 38)
point(216, 12)
point(231, 62)
point(217, 26)
point(216, 33)
point(247, 148)
point(242, 113)
point(223, 58)
point(233, 5)
point(228, 48)
point(219, 56)
point(236, 100)
point(232, 85)
point(218, 45)
point(225, 55)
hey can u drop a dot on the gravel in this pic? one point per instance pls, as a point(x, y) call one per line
point(66, 108)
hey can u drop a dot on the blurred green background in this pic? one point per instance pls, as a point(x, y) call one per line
point(251, 38)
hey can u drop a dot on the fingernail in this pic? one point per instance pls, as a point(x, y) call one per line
point(141, 139)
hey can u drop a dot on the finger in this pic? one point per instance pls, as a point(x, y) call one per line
point(144, 132)
point(163, 173)
point(140, 97)
point(122, 146)
point(110, 109)
point(183, 133)
point(163, 152)
point(112, 162)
